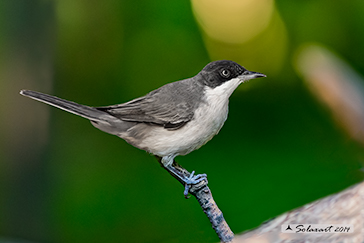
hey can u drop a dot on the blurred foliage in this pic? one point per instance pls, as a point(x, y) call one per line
point(61, 180)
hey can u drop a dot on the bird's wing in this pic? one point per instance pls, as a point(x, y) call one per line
point(169, 106)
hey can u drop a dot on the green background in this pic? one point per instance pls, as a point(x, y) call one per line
point(61, 180)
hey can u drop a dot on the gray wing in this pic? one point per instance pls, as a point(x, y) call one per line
point(171, 106)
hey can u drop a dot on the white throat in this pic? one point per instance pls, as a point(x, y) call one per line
point(223, 92)
point(217, 104)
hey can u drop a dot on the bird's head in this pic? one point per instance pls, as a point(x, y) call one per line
point(220, 72)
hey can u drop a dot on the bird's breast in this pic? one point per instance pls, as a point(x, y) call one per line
point(211, 117)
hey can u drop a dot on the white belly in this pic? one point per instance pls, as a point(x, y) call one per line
point(206, 123)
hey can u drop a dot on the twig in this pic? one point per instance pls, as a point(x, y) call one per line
point(204, 197)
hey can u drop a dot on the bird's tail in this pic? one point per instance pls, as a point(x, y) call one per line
point(87, 112)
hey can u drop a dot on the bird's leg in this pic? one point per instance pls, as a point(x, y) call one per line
point(181, 174)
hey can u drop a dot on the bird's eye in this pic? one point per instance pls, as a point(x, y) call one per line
point(225, 73)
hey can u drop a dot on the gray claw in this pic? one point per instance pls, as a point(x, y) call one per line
point(193, 180)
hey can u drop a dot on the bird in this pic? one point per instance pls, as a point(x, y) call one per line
point(173, 120)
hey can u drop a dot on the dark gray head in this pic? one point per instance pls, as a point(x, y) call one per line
point(218, 72)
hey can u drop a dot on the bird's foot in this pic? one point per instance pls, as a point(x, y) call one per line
point(193, 180)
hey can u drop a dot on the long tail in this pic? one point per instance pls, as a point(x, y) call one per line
point(87, 112)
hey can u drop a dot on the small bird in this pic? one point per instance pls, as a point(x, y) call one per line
point(172, 120)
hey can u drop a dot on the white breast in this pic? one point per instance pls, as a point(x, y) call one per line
point(206, 123)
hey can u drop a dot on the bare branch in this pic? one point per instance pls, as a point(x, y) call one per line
point(204, 197)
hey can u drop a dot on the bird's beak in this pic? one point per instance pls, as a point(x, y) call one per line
point(251, 75)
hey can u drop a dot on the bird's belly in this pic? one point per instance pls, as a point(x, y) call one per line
point(205, 124)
